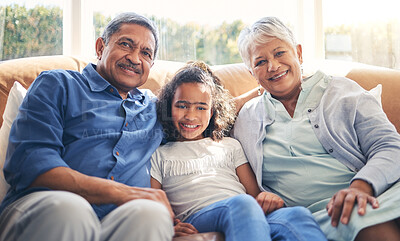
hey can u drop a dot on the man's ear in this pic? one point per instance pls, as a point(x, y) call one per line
point(100, 45)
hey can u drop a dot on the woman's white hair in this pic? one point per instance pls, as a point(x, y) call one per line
point(262, 32)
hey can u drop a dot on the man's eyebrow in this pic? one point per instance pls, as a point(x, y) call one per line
point(127, 39)
point(133, 43)
point(187, 102)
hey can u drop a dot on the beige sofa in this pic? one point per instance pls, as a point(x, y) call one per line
point(235, 77)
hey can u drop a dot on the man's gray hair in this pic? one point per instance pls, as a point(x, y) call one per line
point(132, 18)
point(262, 32)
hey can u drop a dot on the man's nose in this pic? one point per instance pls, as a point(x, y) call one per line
point(133, 57)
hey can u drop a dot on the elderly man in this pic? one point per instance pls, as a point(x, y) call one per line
point(78, 158)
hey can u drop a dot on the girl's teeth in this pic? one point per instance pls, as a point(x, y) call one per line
point(190, 126)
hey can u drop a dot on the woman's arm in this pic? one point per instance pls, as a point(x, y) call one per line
point(268, 201)
point(243, 98)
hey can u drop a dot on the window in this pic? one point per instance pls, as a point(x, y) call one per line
point(30, 28)
point(363, 31)
point(205, 30)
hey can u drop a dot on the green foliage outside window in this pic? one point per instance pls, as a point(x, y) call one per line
point(38, 32)
point(30, 32)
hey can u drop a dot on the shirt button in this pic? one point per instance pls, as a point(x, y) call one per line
point(111, 90)
point(330, 150)
point(309, 110)
point(112, 178)
point(316, 125)
point(126, 124)
point(117, 153)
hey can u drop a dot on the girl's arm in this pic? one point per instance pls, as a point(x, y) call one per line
point(248, 179)
point(181, 229)
point(154, 183)
point(268, 201)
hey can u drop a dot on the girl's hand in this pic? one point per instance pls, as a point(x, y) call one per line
point(342, 203)
point(183, 229)
point(269, 202)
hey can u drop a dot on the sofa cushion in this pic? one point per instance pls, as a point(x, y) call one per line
point(25, 70)
point(14, 100)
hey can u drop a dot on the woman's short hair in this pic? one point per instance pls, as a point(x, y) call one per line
point(262, 32)
point(131, 18)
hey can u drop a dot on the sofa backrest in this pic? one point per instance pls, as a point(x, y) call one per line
point(235, 77)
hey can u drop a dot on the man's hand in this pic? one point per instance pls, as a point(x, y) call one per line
point(342, 203)
point(183, 229)
point(269, 202)
point(131, 193)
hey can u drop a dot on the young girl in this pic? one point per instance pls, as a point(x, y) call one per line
point(206, 176)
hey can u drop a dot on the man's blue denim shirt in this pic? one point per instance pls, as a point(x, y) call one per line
point(79, 120)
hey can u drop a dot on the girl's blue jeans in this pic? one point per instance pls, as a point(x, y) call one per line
point(241, 218)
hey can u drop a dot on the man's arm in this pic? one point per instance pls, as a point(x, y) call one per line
point(97, 190)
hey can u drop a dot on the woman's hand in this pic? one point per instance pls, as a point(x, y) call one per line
point(183, 229)
point(342, 203)
point(269, 202)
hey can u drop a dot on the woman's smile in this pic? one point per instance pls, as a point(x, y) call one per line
point(279, 76)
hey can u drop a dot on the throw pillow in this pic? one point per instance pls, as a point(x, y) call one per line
point(14, 100)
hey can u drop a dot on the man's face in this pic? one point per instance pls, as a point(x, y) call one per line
point(126, 60)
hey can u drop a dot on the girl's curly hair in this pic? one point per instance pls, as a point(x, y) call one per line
point(222, 105)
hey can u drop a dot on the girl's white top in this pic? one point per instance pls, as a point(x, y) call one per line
point(195, 174)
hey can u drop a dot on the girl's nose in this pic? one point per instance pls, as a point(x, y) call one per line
point(190, 114)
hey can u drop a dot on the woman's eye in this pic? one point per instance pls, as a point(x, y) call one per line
point(280, 53)
point(201, 108)
point(258, 63)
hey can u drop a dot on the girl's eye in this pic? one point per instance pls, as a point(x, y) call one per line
point(201, 108)
point(181, 106)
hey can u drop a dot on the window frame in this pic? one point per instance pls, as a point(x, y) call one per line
point(78, 32)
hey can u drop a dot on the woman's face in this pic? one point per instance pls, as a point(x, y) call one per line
point(276, 66)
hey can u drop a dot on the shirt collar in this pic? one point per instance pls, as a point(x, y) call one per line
point(97, 83)
point(309, 82)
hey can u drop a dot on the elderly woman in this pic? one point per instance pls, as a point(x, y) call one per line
point(321, 142)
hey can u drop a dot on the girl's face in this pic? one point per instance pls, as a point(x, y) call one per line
point(191, 110)
point(276, 66)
